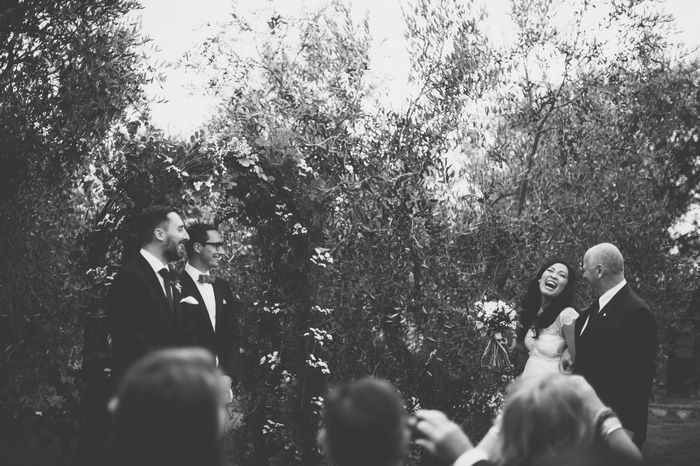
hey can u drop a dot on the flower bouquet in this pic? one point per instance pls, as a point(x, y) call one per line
point(493, 320)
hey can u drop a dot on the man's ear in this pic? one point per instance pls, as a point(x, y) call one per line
point(196, 247)
point(159, 233)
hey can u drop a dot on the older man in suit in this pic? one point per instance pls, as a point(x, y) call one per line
point(143, 304)
point(616, 341)
point(208, 299)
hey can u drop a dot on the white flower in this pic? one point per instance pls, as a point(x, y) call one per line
point(298, 229)
point(320, 336)
point(324, 311)
point(271, 426)
point(318, 363)
point(275, 308)
point(272, 359)
point(322, 257)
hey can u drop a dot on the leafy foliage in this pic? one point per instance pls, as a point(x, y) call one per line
point(67, 71)
point(360, 236)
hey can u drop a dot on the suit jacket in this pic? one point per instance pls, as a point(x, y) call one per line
point(140, 317)
point(224, 340)
point(616, 355)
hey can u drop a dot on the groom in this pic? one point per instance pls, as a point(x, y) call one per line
point(143, 304)
point(616, 341)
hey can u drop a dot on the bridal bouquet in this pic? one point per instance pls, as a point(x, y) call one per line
point(493, 320)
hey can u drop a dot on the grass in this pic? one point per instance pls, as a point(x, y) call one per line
point(673, 444)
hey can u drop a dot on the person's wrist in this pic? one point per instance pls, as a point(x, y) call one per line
point(454, 445)
point(606, 422)
point(609, 426)
point(601, 415)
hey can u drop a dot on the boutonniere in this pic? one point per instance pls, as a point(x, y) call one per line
point(174, 280)
point(189, 300)
point(224, 301)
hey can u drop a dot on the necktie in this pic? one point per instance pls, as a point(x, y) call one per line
point(164, 272)
point(595, 307)
point(206, 278)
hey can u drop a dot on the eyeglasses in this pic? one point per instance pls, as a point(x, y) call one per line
point(216, 245)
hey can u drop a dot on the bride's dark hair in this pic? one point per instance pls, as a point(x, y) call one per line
point(532, 302)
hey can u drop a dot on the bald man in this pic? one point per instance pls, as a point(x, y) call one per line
point(616, 341)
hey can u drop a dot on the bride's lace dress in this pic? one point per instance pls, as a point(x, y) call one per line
point(544, 352)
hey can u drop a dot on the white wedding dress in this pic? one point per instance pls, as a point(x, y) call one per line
point(544, 351)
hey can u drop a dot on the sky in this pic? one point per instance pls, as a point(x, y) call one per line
point(176, 25)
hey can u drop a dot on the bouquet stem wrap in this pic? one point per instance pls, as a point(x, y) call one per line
point(494, 319)
point(495, 354)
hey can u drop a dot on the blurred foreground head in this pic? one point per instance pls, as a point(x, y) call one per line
point(365, 425)
point(546, 421)
point(169, 412)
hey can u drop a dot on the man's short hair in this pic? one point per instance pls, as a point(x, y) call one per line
point(148, 220)
point(198, 233)
point(168, 411)
point(365, 424)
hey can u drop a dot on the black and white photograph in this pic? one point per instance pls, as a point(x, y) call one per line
point(349, 232)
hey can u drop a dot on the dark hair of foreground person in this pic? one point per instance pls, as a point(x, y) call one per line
point(168, 412)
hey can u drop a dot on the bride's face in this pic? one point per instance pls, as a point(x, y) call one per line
point(554, 280)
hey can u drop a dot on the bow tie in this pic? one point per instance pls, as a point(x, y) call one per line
point(206, 278)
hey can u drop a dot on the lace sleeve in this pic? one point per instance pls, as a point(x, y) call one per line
point(567, 316)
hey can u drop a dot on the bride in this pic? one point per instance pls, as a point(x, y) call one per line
point(547, 329)
point(547, 318)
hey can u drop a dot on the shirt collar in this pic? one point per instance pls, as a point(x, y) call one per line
point(155, 263)
point(608, 295)
point(194, 273)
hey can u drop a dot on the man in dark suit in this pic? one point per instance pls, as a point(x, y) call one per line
point(616, 341)
point(208, 300)
point(143, 304)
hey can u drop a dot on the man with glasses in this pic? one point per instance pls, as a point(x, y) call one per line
point(209, 301)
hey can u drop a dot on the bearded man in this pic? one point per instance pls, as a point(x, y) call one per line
point(143, 305)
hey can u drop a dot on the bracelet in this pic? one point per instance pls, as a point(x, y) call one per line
point(600, 417)
point(609, 426)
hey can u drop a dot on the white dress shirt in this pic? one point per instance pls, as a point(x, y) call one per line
point(157, 265)
point(206, 290)
point(604, 300)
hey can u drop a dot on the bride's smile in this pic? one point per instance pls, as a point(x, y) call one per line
point(554, 280)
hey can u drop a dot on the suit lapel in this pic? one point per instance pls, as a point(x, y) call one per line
point(193, 290)
point(151, 278)
point(603, 314)
point(580, 322)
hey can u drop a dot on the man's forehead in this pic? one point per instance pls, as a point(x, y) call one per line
point(175, 218)
point(213, 235)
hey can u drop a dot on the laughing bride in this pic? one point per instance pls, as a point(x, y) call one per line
point(547, 318)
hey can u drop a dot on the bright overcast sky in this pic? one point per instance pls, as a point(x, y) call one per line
point(176, 25)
